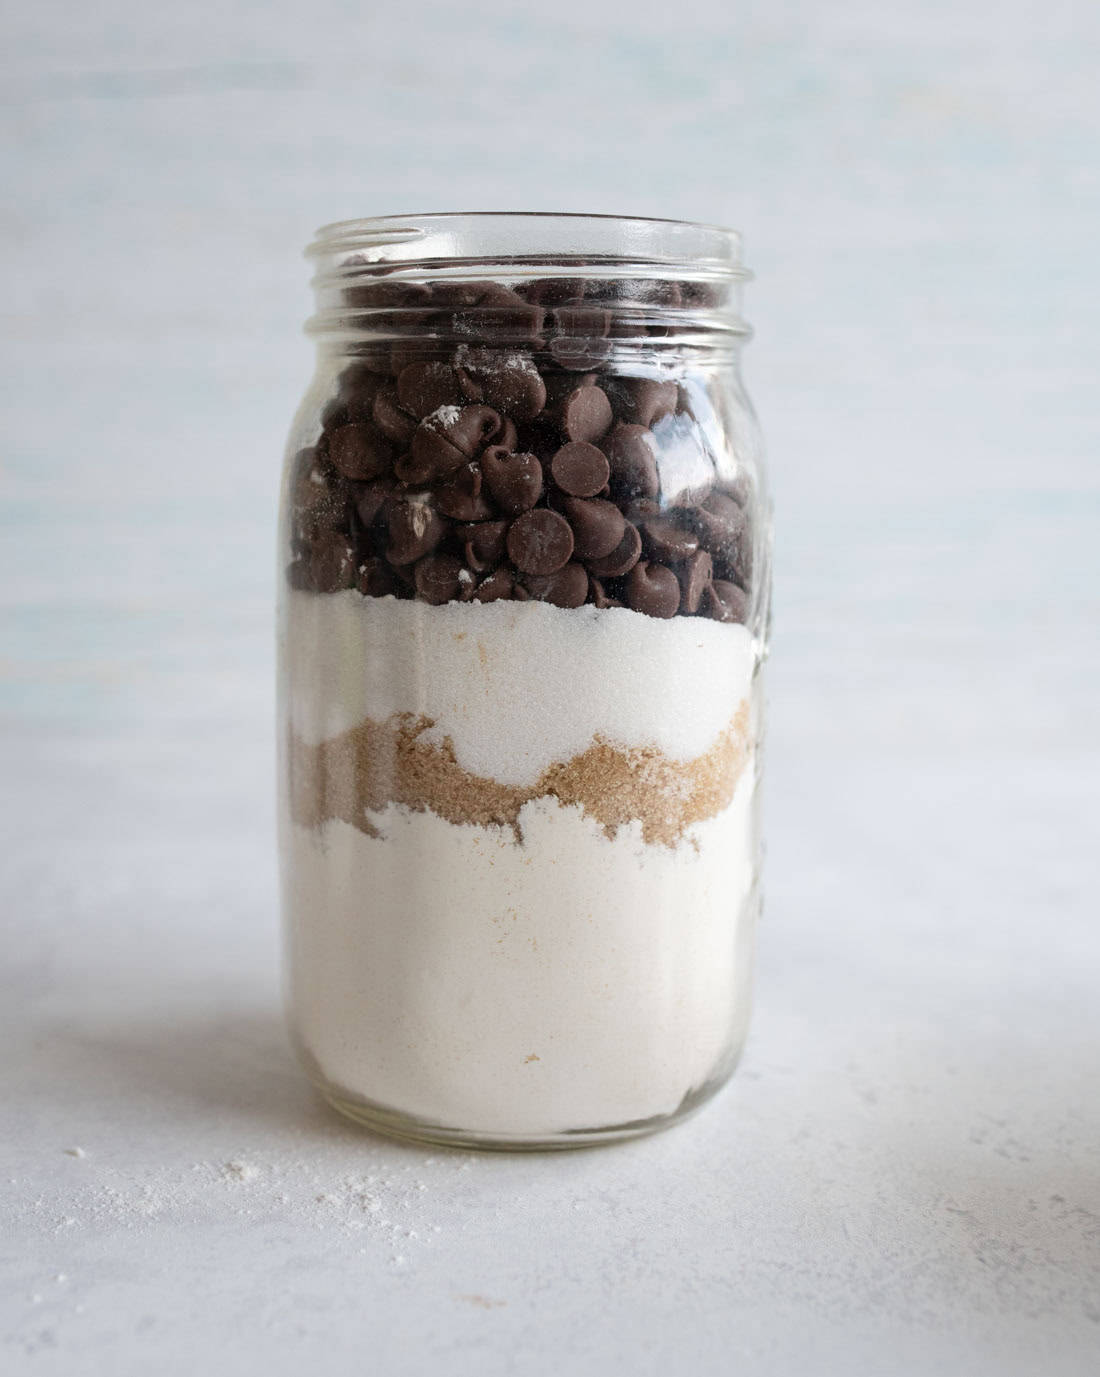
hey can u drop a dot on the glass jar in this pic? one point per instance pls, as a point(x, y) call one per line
point(524, 578)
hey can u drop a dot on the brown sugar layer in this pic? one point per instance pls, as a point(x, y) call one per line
point(378, 763)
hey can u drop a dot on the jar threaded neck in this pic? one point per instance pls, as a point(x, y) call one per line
point(650, 285)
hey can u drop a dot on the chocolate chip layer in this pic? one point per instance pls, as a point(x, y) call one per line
point(493, 448)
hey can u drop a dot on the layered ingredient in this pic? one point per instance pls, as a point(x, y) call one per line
point(516, 908)
point(519, 647)
point(495, 453)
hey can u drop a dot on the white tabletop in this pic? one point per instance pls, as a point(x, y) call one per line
point(904, 1176)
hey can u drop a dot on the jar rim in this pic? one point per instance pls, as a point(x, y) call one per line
point(570, 237)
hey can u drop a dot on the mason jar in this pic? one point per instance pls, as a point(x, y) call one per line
point(524, 585)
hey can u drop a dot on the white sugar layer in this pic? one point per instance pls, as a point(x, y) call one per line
point(516, 686)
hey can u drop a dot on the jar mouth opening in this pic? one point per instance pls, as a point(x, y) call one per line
point(562, 240)
point(582, 283)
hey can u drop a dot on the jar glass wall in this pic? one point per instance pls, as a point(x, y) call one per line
point(524, 590)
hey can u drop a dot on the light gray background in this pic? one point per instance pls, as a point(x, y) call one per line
point(905, 1176)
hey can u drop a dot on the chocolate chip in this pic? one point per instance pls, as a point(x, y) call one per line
point(566, 588)
point(300, 468)
point(389, 416)
point(724, 530)
point(375, 358)
point(738, 563)
point(454, 296)
point(586, 414)
point(610, 289)
point(376, 579)
point(405, 575)
point(725, 602)
point(332, 564)
point(580, 469)
point(597, 594)
point(632, 453)
point(540, 542)
point(639, 509)
point(515, 480)
point(298, 576)
point(370, 499)
point(413, 342)
point(508, 382)
point(437, 578)
point(484, 544)
point(559, 386)
point(416, 470)
point(415, 530)
point(381, 295)
point(694, 575)
point(505, 313)
point(719, 521)
point(579, 355)
point(308, 470)
point(552, 291)
point(653, 589)
point(667, 541)
point(318, 495)
point(459, 496)
point(598, 526)
point(538, 438)
point(622, 559)
point(703, 295)
point(448, 436)
point(424, 387)
point(475, 427)
point(663, 292)
point(358, 385)
point(643, 401)
point(501, 314)
point(508, 439)
point(509, 448)
point(579, 321)
point(498, 585)
point(356, 389)
point(337, 413)
point(360, 451)
point(403, 326)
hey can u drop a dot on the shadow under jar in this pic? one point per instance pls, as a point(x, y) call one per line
point(524, 584)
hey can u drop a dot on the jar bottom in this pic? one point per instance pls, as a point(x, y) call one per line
point(394, 1123)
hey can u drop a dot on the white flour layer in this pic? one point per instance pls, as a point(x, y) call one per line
point(571, 982)
point(515, 686)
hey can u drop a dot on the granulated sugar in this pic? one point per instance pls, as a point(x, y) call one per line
point(516, 687)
